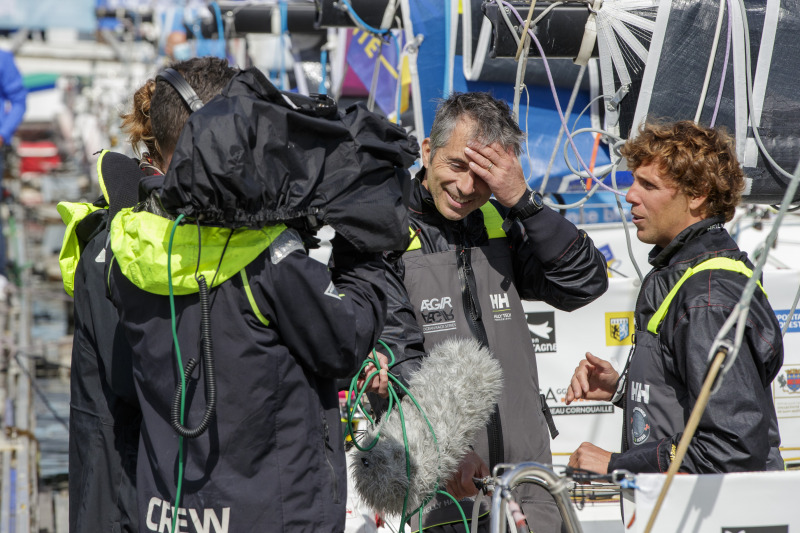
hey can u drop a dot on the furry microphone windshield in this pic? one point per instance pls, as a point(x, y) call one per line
point(456, 386)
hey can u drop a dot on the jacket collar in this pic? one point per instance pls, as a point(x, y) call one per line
point(660, 257)
point(421, 200)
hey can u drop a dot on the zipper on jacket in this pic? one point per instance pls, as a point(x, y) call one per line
point(625, 421)
point(472, 310)
point(328, 448)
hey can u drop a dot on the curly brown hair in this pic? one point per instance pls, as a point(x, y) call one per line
point(700, 161)
point(136, 122)
point(158, 112)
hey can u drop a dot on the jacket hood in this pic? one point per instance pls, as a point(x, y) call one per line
point(254, 156)
point(141, 245)
point(118, 176)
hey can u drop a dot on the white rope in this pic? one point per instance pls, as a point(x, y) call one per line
point(749, 80)
point(411, 50)
point(711, 58)
point(472, 67)
point(567, 113)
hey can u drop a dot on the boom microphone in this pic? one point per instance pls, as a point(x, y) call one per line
point(456, 386)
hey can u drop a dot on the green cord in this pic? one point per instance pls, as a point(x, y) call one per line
point(180, 369)
point(393, 399)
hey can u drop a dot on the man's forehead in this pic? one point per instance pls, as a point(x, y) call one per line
point(653, 169)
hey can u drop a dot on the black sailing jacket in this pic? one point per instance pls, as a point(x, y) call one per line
point(465, 280)
point(104, 410)
point(739, 429)
point(283, 327)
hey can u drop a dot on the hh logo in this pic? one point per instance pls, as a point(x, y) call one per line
point(543, 333)
point(619, 328)
point(640, 392)
point(500, 302)
point(501, 307)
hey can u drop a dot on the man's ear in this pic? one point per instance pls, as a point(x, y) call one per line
point(697, 205)
point(426, 152)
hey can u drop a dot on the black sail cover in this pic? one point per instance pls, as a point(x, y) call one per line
point(254, 156)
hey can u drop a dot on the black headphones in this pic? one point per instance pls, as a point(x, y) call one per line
point(174, 78)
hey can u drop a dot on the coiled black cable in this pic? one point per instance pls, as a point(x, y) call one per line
point(208, 368)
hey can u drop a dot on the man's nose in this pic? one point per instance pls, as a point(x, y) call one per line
point(466, 185)
point(632, 194)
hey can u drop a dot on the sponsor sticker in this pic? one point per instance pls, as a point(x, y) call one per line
point(593, 409)
point(542, 327)
point(786, 392)
point(794, 323)
point(619, 328)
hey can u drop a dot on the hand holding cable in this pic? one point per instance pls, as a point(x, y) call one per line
point(379, 383)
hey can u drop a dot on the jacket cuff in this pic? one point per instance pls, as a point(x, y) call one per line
point(647, 458)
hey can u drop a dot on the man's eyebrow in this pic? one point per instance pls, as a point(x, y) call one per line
point(454, 159)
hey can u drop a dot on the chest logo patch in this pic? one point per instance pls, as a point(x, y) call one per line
point(640, 392)
point(640, 425)
point(437, 315)
point(332, 292)
point(501, 306)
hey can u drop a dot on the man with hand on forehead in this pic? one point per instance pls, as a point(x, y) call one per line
point(471, 262)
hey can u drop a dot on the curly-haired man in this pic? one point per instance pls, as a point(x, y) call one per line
point(687, 183)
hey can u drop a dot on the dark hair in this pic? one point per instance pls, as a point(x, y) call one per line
point(699, 160)
point(491, 119)
point(159, 113)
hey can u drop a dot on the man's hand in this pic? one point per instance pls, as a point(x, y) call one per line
point(500, 169)
point(594, 379)
point(590, 457)
point(379, 384)
point(460, 485)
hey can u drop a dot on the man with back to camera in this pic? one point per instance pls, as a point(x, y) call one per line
point(687, 183)
point(470, 259)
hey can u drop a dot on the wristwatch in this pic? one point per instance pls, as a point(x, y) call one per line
point(530, 204)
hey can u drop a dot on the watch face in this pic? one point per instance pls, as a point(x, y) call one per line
point(533, 204)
